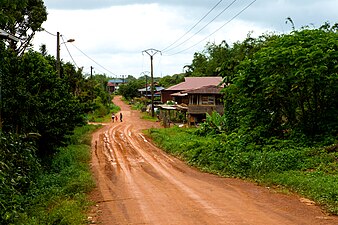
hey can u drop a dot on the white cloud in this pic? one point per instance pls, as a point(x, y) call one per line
point(114, 33)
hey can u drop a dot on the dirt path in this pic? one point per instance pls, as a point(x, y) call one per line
point(137, 183)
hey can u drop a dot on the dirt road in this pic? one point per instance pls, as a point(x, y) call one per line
point(137, 183)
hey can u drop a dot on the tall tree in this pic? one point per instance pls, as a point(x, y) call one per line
point(290, 84)
point(22, 18)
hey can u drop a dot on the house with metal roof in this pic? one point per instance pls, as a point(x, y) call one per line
point(188, 84)
point(195, 97)
point(146, 92)
point(204, 100)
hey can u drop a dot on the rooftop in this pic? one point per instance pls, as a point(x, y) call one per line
point(195, 82)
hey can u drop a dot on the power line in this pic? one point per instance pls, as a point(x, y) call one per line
point(55, 35)
point(226, 8)
point(194, 25)
point(94, 60)
point(240, 12)
point(68, 51)
point(49, 32)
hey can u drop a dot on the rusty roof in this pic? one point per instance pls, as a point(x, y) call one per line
point(210, 89)
point(195, 82)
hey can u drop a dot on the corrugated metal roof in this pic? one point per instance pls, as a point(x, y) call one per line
point(195, 82)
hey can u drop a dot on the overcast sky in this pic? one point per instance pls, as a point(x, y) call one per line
point(110, 35)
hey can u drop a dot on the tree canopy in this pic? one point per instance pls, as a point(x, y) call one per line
point(22, 18)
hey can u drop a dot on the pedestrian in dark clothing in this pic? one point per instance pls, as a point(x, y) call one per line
point(120, 117)
point(113, 117)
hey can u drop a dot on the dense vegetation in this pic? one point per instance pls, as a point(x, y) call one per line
point(38, 113)
point(57, 196)
point(280, 125)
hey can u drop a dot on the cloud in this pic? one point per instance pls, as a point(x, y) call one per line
point(115, 32)
point(98, 4)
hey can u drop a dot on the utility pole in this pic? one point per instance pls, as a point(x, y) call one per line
point(151, 52)
point(91, 72)
point(58, 60)
point(146, 76)
point(58, 54)
point(146, 87)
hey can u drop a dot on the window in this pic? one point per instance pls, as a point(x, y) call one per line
point(208, 100)
point(194, 100)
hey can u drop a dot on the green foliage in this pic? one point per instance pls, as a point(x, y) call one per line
point(289, 85)
point(168, 81)
point(311, 171)
point(214, 124)
point(140, 103)
point(18, 168)
point(22, 18)
point(59, 195)
point(223, 60)
point(130, 90)
point(36, 100)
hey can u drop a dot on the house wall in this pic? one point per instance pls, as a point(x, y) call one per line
point(166, 95)
point(199, 109)
point(200, 104)
point(181, 99)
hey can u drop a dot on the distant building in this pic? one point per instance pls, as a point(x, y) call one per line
point(146, 92)
point(113, 84)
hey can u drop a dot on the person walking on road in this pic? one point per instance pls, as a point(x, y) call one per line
point(113, 117)
point(120, 117)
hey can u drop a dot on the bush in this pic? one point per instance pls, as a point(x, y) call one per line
point(309, 170)
point(18, 168)
point(58, 195)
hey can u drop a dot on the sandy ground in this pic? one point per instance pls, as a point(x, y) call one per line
point(137, 183)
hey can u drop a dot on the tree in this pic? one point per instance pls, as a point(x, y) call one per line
point(288, 85)
point(168, 81)
point(36, 100)
point(130, 90)
point(22, 18)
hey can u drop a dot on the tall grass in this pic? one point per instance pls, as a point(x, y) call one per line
point(309, 171)
point(59, 196)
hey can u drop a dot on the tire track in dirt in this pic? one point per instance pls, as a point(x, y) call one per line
point(137, 183)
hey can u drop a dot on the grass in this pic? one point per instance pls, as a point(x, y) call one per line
point(104, 117)
point(309, 171)
point(60, 194)
point(146, 116)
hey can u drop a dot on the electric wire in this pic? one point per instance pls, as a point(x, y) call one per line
point(193, 26)
point(49, 32)
point(219, 14)
point(93, 60)
point(240, 12)
point(80, 51)
point(68, 51)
